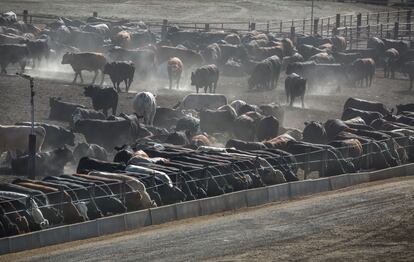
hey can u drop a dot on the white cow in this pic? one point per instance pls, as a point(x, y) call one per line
point(144, 105)
point(16, 138)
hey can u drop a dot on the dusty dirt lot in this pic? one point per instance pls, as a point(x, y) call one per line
point(188, 10)
point(321, 104)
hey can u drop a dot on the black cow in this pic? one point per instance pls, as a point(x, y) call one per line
point(120, 71)
point(407, 107)
point(60, 110)
point(295, 86)
point(367, 116)
point(262, 75)
point(207, 77)
point(367, 105)
point(12, 54)
point(47, 163)
point(87, 164)
point(102, 98)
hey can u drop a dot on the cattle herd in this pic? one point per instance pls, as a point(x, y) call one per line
point(205, 145)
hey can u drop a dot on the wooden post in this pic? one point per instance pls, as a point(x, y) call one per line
point(304, 27)
point(350, 20)
point(396, 27)
point(292, 34)
point(281, 25)
point(267, 27)
point(253, 26)
point(322, 27)
point(207, 27)
point(315, 25)
point(381, 28)
point(398, 15)
point(359, 23)
point(345, 20)
point(164, 29)
point(25, 14)
point(367, 18)
point(409, 20)
point(388, 20)
point(338, 21)
point(368, 31)
point(307, 168)
point(95, 14)
point(378, 18)
point(329, 26)
point(350, 38)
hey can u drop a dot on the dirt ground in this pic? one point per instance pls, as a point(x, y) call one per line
point(188, 10)
point(321, 104)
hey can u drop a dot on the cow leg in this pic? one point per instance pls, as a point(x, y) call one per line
point(178, 82)
point(105, 111)
point(126, 85)
point(291, 100)
point(205, 89)
point(303, 101)
point(94, 77)
point(80, 75)
point(22, 66)
point(114, 84)
point(102, 77)
point(76, 76)
point(3, 69)
point(170, 78)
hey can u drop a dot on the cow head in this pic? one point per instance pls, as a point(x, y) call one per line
point(67, 58)
point(91, 90)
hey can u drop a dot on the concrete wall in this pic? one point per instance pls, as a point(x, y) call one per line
point(232, 201)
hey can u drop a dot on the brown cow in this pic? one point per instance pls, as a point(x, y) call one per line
point(85, 61)
point(20, 221)
point(362, 69)
point(175, 69)
point(60, 199)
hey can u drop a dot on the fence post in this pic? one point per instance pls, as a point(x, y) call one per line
point(378, 18)
point(322, 27)
point(307, 163)
point(25, 14)
point(248, 26)
point(368, 31)
point(359, 23)
point(398, 15)
point(396, 27)
point(315, 25)
point(267, 27)
point(323, 167)
point(350, 38)
point(329, 26)
point(252, 26)
point(281, 25)
point(367, 18)
point(207, 27)
point(409, 20)
point(338, 21)
point(95, 14)
point(381, 27)
point(304, 25)
point(164, 29)
point(388, 20)
point(292, 34)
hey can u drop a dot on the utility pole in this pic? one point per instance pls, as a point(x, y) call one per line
point(31, 167)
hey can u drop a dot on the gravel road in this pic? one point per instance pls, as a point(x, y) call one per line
point(373, 221)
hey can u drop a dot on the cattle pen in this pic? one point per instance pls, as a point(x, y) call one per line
point(357, 28)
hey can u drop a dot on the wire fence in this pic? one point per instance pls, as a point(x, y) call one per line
point(124, 189)
point(323, 26)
